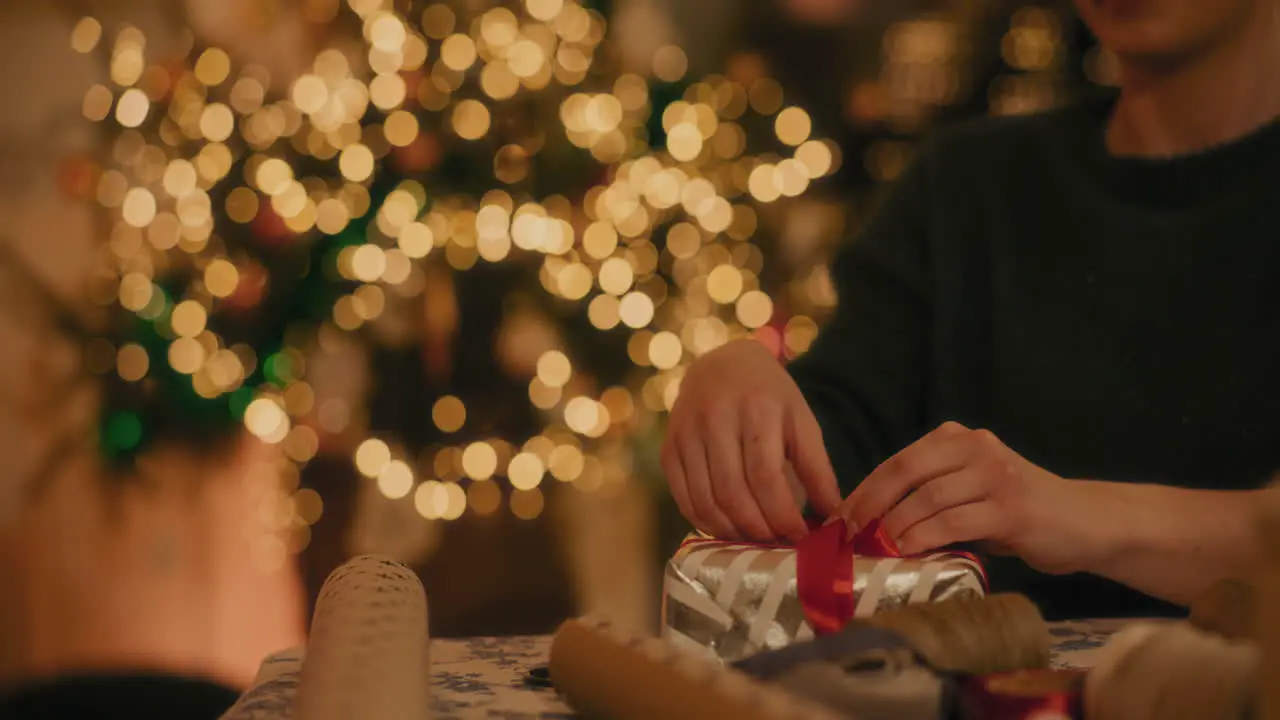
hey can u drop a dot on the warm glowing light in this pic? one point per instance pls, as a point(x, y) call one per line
point(670, 63)
point(274, 176)
point(221, 278)
point(665, 350)
point(544, 10)
point(217, 122)
point(471, 119)
point(761, 183)
point(401, 128)
point(684, 142)
point(484, 497)
point(368, 263)
point(582, 414)
point(431, 500)
point(574, 281)
point(213, 67)
point(97, 103)
point(180, 178)
point(816, 158)
point(754, 309)
point(449, 414)
point(132, 362)
point(793, 126)
point(416, 240)
point(525, 471)
point(386, 32)
point(554, 368)
point(616, 276)
point(724, 284)
point(636, 310)
point(139, 207)
point(604, 312)
point(458, 52)
point(132, 108)
point(479, 461)
point(188, 319)
point(356, 162)
point(87, 33)
point(372, 457)
point(600, 240)
point(136, 290)
point(565, 463)
point(527, 504)
point(266, 420)
point(396, 480)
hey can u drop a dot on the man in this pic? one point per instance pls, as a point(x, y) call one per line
point(1056, 339)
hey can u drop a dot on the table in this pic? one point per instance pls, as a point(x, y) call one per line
point(484, 677)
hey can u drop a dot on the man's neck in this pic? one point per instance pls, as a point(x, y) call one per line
point(1174, 109)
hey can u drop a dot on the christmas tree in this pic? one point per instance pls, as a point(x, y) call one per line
point(566, 237)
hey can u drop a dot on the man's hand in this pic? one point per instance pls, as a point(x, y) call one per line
point(961, 485)
point(738, 422)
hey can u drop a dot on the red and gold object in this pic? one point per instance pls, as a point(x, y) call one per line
point(1024, 695)
point(737, 599)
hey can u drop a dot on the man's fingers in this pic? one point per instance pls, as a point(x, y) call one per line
point(936, 496)
point(708, 517)
point(765, 456)
point(963, 523)
point(728, 478)
point(672, 467)
point(808, 457)
point(942, 451)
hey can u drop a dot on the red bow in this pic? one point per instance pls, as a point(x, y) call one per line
point(824, 571)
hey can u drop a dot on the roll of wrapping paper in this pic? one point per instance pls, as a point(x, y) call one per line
point(1023, 695)
point(606, 671)
point(975, 636)
point(1172, 671)
point(367, 656)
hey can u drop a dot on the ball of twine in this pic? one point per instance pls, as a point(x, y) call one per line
point(978, 636)
point(1171, 671)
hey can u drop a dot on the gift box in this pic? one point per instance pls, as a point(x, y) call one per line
point(734, 600)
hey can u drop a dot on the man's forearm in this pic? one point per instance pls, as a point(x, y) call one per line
point(1174, 543)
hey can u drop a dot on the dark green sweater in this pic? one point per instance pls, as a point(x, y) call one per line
point(1108, 318)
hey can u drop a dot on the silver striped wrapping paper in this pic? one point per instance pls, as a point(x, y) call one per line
point(734, 601)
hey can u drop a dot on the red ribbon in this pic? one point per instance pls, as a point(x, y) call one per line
point(1023, 695)
point(824, 569)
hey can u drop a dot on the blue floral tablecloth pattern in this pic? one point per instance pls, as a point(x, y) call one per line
point(486, 677)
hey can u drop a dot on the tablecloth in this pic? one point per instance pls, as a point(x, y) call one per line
point(485, 677)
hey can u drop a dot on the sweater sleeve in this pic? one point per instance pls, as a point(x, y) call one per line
point(865, 374)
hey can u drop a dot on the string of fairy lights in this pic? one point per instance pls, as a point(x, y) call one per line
point(224, 199)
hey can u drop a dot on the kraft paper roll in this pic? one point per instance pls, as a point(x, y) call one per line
point(367, 657)
point(605, 671)
point(977, 636)
point(1172, 671)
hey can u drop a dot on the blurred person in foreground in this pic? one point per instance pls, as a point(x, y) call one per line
point(151, 592)
point(1057, 339)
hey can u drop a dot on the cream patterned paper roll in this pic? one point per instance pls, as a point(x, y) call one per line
point(367, 658)
point(738, 600)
